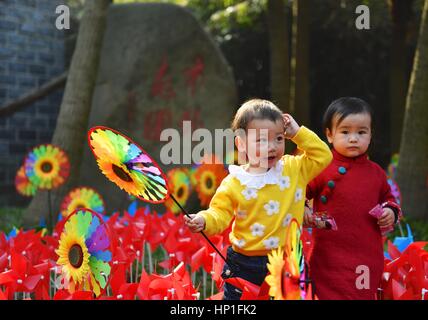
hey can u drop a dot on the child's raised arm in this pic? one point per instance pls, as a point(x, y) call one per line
point(316, 153)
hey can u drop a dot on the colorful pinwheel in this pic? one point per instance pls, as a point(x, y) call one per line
point(84, 252)
point(47, 166)
point(82, 198)
point(208, 177)
point(132, 169)
point(128, 165)
point(392, 167)
point(23, 184)
point(395, 190)
point(180, 188)
point(287, 267)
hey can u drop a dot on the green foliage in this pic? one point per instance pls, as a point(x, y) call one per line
point(220, 17)
point(9, 218)
point(419, 229)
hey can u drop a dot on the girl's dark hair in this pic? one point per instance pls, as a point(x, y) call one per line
point(342, 108)
point(255, 109)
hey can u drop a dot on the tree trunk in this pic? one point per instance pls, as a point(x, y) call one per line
point(70, 132)
point(300, 85)
point(401, 12)
point(412, 172)
point(279, 53)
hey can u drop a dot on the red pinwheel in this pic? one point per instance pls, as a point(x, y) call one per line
point(250, 291)
point(174, 286)
point(42, 288)
point(4, 295)
point(121, 290)
point(21, 277)
point(404, 277)
point(77, 295)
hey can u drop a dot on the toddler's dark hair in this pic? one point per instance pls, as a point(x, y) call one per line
point(342, 108)
point(255, 109)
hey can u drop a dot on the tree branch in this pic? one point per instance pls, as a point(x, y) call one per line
point(37, 94)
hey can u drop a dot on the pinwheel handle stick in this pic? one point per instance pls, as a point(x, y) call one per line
point(203, 234)
point(50, 222)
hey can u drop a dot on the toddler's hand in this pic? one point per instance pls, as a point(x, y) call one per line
point(387, 218)
point(196, 223)
point(290, 125)
point(307, 218)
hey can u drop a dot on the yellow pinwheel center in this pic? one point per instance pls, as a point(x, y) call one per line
point(75, 256)
point(121, 173)
point(47, 169)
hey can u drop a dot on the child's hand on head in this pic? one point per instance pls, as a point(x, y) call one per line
point(196, 223)
point(290, 125)
point(387, 218)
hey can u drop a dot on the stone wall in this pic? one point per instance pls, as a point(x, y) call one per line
point(31, 53)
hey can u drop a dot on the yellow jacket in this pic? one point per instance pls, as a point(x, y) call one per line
point(262, 205)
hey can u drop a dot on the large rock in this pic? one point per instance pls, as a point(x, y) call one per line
point(158, 67)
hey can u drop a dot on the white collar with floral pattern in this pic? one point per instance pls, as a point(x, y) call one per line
point(257, 180)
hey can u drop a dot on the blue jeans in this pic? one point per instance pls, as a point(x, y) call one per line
point(253, 269)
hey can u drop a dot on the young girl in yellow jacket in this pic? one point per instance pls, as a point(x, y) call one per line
point(262, 196)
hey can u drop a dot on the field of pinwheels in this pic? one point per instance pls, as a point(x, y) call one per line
point(86, 253)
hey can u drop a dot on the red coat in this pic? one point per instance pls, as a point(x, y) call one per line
point(357, 242)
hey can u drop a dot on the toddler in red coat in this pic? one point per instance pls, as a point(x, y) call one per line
point(347, 263)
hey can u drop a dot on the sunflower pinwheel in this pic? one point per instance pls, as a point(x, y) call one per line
point(23, 184)
point(47, 166)
point(208, 177)
point(83, 197)
point(84, 252)
point(127, 165)
point(180, 187)
point(286, 267)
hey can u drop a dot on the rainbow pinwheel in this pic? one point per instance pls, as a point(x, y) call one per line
point(47, 166)
point(84, 252)
point(133, 170)
point(392, 174)
point(23, 184)
point(180, 188)
point(82, 198)
point(287, 267)
point(392, 167)
point(395, 190)
point(128, 165)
